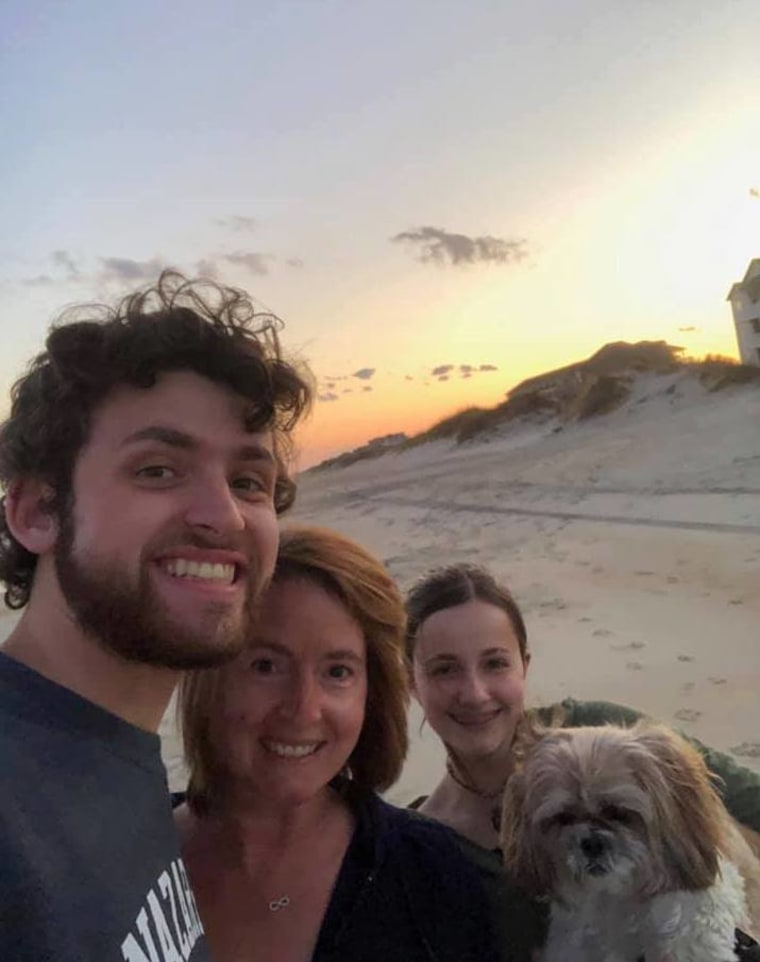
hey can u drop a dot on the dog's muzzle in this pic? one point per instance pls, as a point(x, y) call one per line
point(596, 849)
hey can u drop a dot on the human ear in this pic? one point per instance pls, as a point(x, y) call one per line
point(29, 514)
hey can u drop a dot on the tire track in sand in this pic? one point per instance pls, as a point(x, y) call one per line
point(714, 526)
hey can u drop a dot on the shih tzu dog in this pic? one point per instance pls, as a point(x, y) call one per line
point(622, 830)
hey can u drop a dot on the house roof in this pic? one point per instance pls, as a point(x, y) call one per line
point(753, 270)
point(750, 282)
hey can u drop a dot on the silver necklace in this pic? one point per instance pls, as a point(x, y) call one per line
point(282, 903)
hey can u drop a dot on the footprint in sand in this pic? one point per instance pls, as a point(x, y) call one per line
point(672, 580)
point(736, 601)
point(601, 632)
point(747, 750)
point(686, 658)
point(687, 714)
point(716, 681)
point(687, 686)
point(584, 619)
point(634, 666)
point(644, 574)
point(631, 646)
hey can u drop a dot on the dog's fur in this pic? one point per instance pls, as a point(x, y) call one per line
point(624, 832)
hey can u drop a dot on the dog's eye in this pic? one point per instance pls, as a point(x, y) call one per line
point(614, 813)
point(563, 819)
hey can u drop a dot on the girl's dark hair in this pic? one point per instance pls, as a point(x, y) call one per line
point(174, 325)
point(455, 585)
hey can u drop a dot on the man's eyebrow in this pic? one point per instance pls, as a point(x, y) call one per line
point(255, 452)
point(170, 436)
point(180, 439)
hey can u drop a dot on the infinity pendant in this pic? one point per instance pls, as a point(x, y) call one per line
point(276, 904)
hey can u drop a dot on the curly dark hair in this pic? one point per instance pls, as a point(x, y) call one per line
point(174, 325)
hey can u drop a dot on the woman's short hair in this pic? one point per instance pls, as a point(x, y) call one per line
point(455, 585)
point(350, 574)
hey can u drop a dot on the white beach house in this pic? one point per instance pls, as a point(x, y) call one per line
point(745, 304)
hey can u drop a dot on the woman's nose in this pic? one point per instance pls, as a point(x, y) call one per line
point(473, 690)
point(303, 700)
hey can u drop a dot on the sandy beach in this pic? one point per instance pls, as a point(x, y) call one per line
point(632, 542)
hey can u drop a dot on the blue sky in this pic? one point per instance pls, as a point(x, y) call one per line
point(608, 149)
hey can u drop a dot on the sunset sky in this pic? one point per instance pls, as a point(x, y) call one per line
point(499, 187)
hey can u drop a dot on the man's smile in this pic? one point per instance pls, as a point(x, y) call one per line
point(202, 570)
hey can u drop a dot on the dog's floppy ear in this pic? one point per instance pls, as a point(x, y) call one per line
point(528, 867)
point(529, 731)
point(512, 826)
point(688, 814)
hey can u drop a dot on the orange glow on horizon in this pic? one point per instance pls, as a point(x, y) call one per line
point(412, 407)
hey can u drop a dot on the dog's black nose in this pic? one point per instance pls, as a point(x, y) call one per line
point(593, 846)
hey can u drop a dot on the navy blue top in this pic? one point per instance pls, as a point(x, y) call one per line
point(90, 869)
point(405, 891)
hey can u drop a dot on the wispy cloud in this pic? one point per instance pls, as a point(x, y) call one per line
point(257, 263)
point(206, 267)
point(438, 246)
point(754, 192)
point(40, 280)
point(107, 271)
point(443, 372)
point(327, 396)
point(66, 261)
point(253, 261)
point(364, 373)
point(688, 329)
point(238, 223)
point(120, 269)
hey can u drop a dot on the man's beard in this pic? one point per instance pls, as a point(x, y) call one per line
point(128, 618)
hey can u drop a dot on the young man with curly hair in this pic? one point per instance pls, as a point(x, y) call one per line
point(144, 463)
